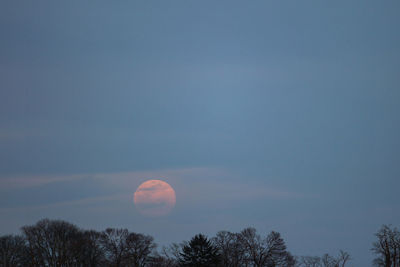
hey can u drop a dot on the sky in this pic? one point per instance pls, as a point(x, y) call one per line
point(280, 115)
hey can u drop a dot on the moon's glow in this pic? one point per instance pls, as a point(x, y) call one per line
point(154, 198)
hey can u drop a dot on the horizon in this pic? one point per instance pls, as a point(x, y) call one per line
point(278, 116)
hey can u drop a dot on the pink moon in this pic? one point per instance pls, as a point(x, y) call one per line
point(154, 198)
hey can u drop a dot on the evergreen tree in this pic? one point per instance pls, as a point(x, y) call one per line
point(200, 252)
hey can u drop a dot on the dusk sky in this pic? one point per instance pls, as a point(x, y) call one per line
point(280, 115)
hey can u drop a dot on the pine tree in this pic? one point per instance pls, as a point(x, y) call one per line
point(200, 252)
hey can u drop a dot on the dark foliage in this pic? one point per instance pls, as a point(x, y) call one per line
point(56, 243)
point(200, 252)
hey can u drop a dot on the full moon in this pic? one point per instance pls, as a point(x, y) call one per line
point(154, 198)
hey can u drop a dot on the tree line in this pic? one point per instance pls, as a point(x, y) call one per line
point(56, 243)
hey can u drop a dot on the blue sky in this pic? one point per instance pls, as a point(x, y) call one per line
point(278, 115)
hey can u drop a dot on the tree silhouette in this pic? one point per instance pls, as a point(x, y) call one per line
point(343, 258)
point(310, 261)
point(276, 250)
point(325, 261)
point(199, 252)
point(122, 248)
point(170, 256)
point(90, 251)
point(52, 243)
point(230, 248)
point(265, 252)
point(139, 247)
point(114, 244)
point(13, 251)
point(58, 243)
point(387, 247)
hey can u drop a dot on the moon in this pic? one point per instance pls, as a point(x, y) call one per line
point(154, 198)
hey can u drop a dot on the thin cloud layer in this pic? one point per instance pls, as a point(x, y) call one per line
point(290, 111)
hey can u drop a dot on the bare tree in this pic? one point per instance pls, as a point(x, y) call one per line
point(123, 248)
point(230, 248)
point(171, 254)
point(387, 247)
point(267, 252)
point(310, 261)
point(13, 251)
point(329, 261)
point(52, 243)
point(91, 252)
point(114, 245)
point(139, 248)
point(55, 243)
point(325, 261)
point(160, 261)
point(252, 244)
point(343, 258)
point(173, 251)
